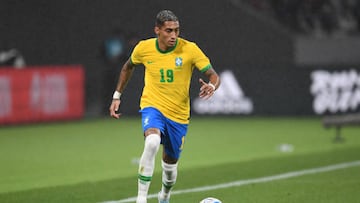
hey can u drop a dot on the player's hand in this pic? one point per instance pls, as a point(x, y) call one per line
point(114, 107)
point(206, 90)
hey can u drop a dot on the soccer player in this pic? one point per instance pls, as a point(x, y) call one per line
point(165, 102)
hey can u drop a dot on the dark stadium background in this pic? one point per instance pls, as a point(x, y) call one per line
point(271, 60)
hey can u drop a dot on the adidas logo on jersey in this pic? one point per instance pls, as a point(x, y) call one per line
point(228, 99)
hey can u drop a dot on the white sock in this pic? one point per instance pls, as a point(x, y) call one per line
point(169, 176)
point(146, 166)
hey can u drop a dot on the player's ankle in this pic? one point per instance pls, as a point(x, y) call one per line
point(164, 195)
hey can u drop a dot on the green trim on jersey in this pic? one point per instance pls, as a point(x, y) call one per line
point(166, 51)
point(130, 60)
point(206, 68)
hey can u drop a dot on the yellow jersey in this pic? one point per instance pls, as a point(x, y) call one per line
point(168, 76)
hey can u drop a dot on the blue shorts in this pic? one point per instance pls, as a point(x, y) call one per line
point(172, 133)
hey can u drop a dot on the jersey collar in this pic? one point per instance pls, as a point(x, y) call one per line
point(167, 51)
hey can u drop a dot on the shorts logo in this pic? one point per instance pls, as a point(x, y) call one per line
point(178, 61)
point(146, 121)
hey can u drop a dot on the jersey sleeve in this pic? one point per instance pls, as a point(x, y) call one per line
point(136, 57)
point(201, 61)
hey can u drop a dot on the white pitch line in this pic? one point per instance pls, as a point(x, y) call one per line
point(252, 181)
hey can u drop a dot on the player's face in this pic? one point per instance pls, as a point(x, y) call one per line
point(167, 34)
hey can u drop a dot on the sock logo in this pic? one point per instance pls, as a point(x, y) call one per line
point(228, 99)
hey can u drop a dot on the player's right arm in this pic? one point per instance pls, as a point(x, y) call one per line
point(124, 77)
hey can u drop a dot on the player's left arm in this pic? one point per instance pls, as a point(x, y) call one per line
point(208, 89)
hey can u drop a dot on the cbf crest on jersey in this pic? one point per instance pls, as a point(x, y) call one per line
point(178, 61)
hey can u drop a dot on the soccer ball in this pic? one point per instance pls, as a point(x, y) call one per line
point(210, 200)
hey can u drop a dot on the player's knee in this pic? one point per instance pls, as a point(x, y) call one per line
point(152, 142)
point(169, 160)
point(150, 131)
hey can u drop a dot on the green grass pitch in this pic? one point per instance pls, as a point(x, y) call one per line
point(94, 161)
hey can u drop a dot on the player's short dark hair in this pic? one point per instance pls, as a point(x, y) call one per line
point(165, 15)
